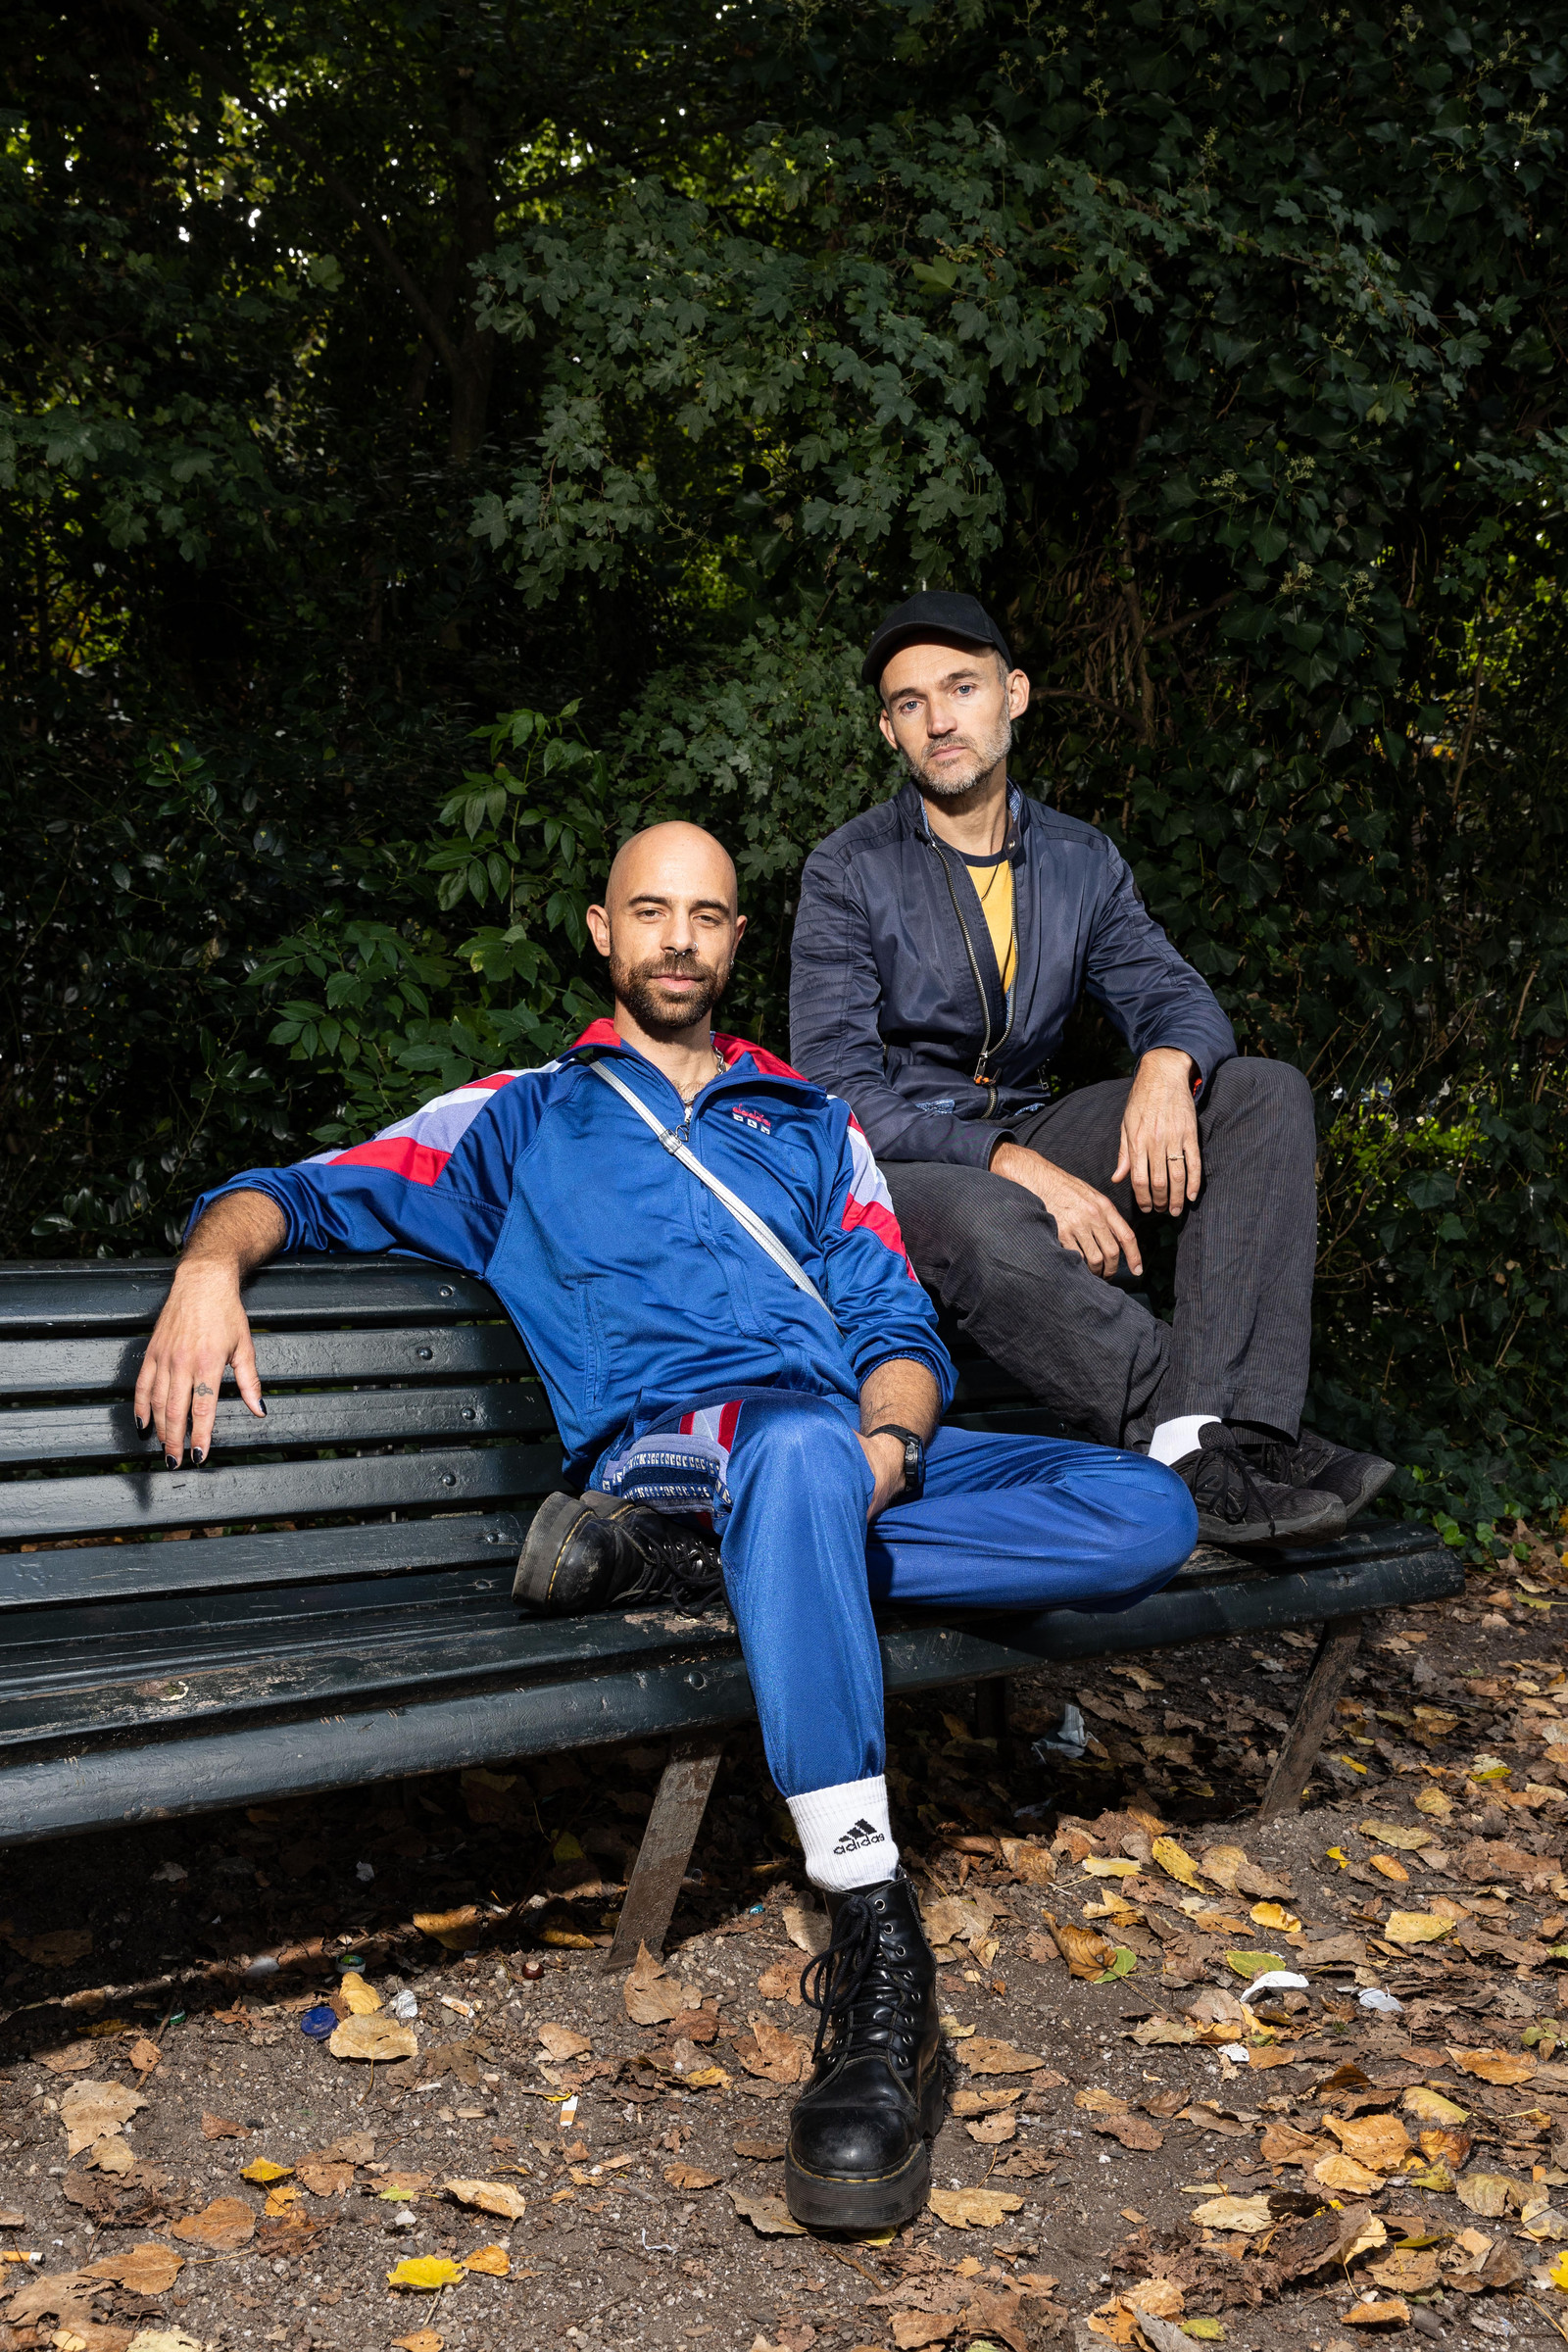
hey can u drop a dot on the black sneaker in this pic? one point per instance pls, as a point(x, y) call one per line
point(1314, 1461)
point(1238, 1506)
point(857, 2157)
point(600, 1551)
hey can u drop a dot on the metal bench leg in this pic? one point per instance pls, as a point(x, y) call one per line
point(1336, 1653)
point(991, 1709)
point(666, 1847)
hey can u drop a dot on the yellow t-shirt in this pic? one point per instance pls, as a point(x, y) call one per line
point(993, 881)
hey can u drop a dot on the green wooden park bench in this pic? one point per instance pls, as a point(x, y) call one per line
point(328, 1601)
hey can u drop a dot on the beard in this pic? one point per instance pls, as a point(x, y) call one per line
point(957, 777)
point(636, 986)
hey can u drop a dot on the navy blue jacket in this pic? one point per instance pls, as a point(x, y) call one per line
point(897, 1003)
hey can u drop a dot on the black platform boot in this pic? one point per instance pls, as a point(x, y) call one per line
point(599, 1551)
point(857, 2157)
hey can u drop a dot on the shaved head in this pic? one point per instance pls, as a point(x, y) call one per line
point(674, 856)
point(669, 929)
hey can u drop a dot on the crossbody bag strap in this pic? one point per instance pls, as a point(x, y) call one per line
point(762, 1235)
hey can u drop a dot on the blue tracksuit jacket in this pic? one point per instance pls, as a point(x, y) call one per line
point(634, 1288)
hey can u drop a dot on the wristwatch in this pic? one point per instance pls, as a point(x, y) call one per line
point(914, 1458)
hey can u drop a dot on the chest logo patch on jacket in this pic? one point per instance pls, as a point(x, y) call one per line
point(757, 1120)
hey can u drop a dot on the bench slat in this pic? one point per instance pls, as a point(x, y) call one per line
point(75, 1299)
point(133, 1576)
point(58, 1433)
point(465, 1350)
point(122, 1783)
point(33, 1508)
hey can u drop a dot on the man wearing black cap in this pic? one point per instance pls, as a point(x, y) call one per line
point(943, 941)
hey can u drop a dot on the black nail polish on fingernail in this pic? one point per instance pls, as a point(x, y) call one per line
point(198, 1453)
point(171, 1460)
point(262, 1402)
point(141, 1426)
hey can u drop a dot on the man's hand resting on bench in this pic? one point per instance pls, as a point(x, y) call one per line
point(906, 1394)
point(204, 1328)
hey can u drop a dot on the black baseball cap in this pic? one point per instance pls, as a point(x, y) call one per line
point(936, 612)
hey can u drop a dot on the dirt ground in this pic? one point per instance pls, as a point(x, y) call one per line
point(183, 2165)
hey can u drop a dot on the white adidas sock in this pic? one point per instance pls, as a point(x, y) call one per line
point(1172, 1441)
point(846, 1833)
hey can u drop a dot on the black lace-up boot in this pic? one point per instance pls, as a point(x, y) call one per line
point(857, 2157)
point(1313, 1462)
point(599, 1551)
point(1238, 1505)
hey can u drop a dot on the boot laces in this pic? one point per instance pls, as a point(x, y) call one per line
point(1223, 1483)
point(850, 1985)
point(680, 1565)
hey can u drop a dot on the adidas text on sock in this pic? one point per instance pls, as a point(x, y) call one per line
point(846, 1833)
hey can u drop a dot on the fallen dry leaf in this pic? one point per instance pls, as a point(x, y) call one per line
point(58, 1949)
point(983, 2057)
point(145, 2269)
point(264, 2172)
point(279, 2200)
point(424, 2339)
point(111, 2154)
point(1414, 1927)
point(1429, 2106)
point(1274, 1915)
point(490, 2196)
point(1087, 1955)
point(225, 2225)
point(93, 2111)
point(1390, 2313)
point(218, 2126)
point(146, 2339)
point(493, 2262)
point(993, 2129)
point(455, 1930)
point(809, 1930)
point(1176, 1863)
point(689, 2177)
point(913, 2330)
point(1408, 2271)
point(562, 2043)
point(1388, 1868)
point(325, 2180)
point(73, 2059)
point(1495, 2066)
point(1031, 1862)
point(651, 1997)
point(1219, 1864)
point(1249, 2216)
point(375, 2038)
point(1435, 1802)
point(1379, 2141)
point(1133, 2132)
point(1490, 2193)
point(769, 2215)
point(359, 1998)
point(972, 2208)
point(1393, 1833)
point(144, 2054)
point(1343, 2172)
point(773, 2053)
point(781, 1982)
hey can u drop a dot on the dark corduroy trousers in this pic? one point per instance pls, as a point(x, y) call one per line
point(1238, 1344)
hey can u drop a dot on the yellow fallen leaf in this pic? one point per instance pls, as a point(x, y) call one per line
point(1253, 1964)
point(1559, 2272)
point(455, 1930)
point(427, 2272)
point(494, 2261)
point(1436, 1802)
point(1431, 2106)
point(1112, 1866)
point(424, 2339)
point(1391, 2310)
point(374, 2037)
point(279, 2200)
point(363, 1999)
point(1393, 1833)
point(264, 2172)
point(1490, 2193)
point(1347, 2175)
point(1337, 1853)
point(1490, 1768)
point(1388, 1868)
point(1176, 1863)
point(972, 2208)
point(1275, 1915)
point(1415, 1927)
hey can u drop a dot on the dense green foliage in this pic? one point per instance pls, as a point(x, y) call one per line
point(377, 386)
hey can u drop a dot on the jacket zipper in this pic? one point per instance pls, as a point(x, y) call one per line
point(982, 1073)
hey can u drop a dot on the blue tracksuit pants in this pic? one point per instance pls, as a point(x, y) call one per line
point(1004, 1523)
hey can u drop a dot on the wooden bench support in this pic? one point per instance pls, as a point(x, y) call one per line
point(1336, 1654)
point(666, 1847)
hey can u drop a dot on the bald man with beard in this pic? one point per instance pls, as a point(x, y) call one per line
point(703, 1260)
